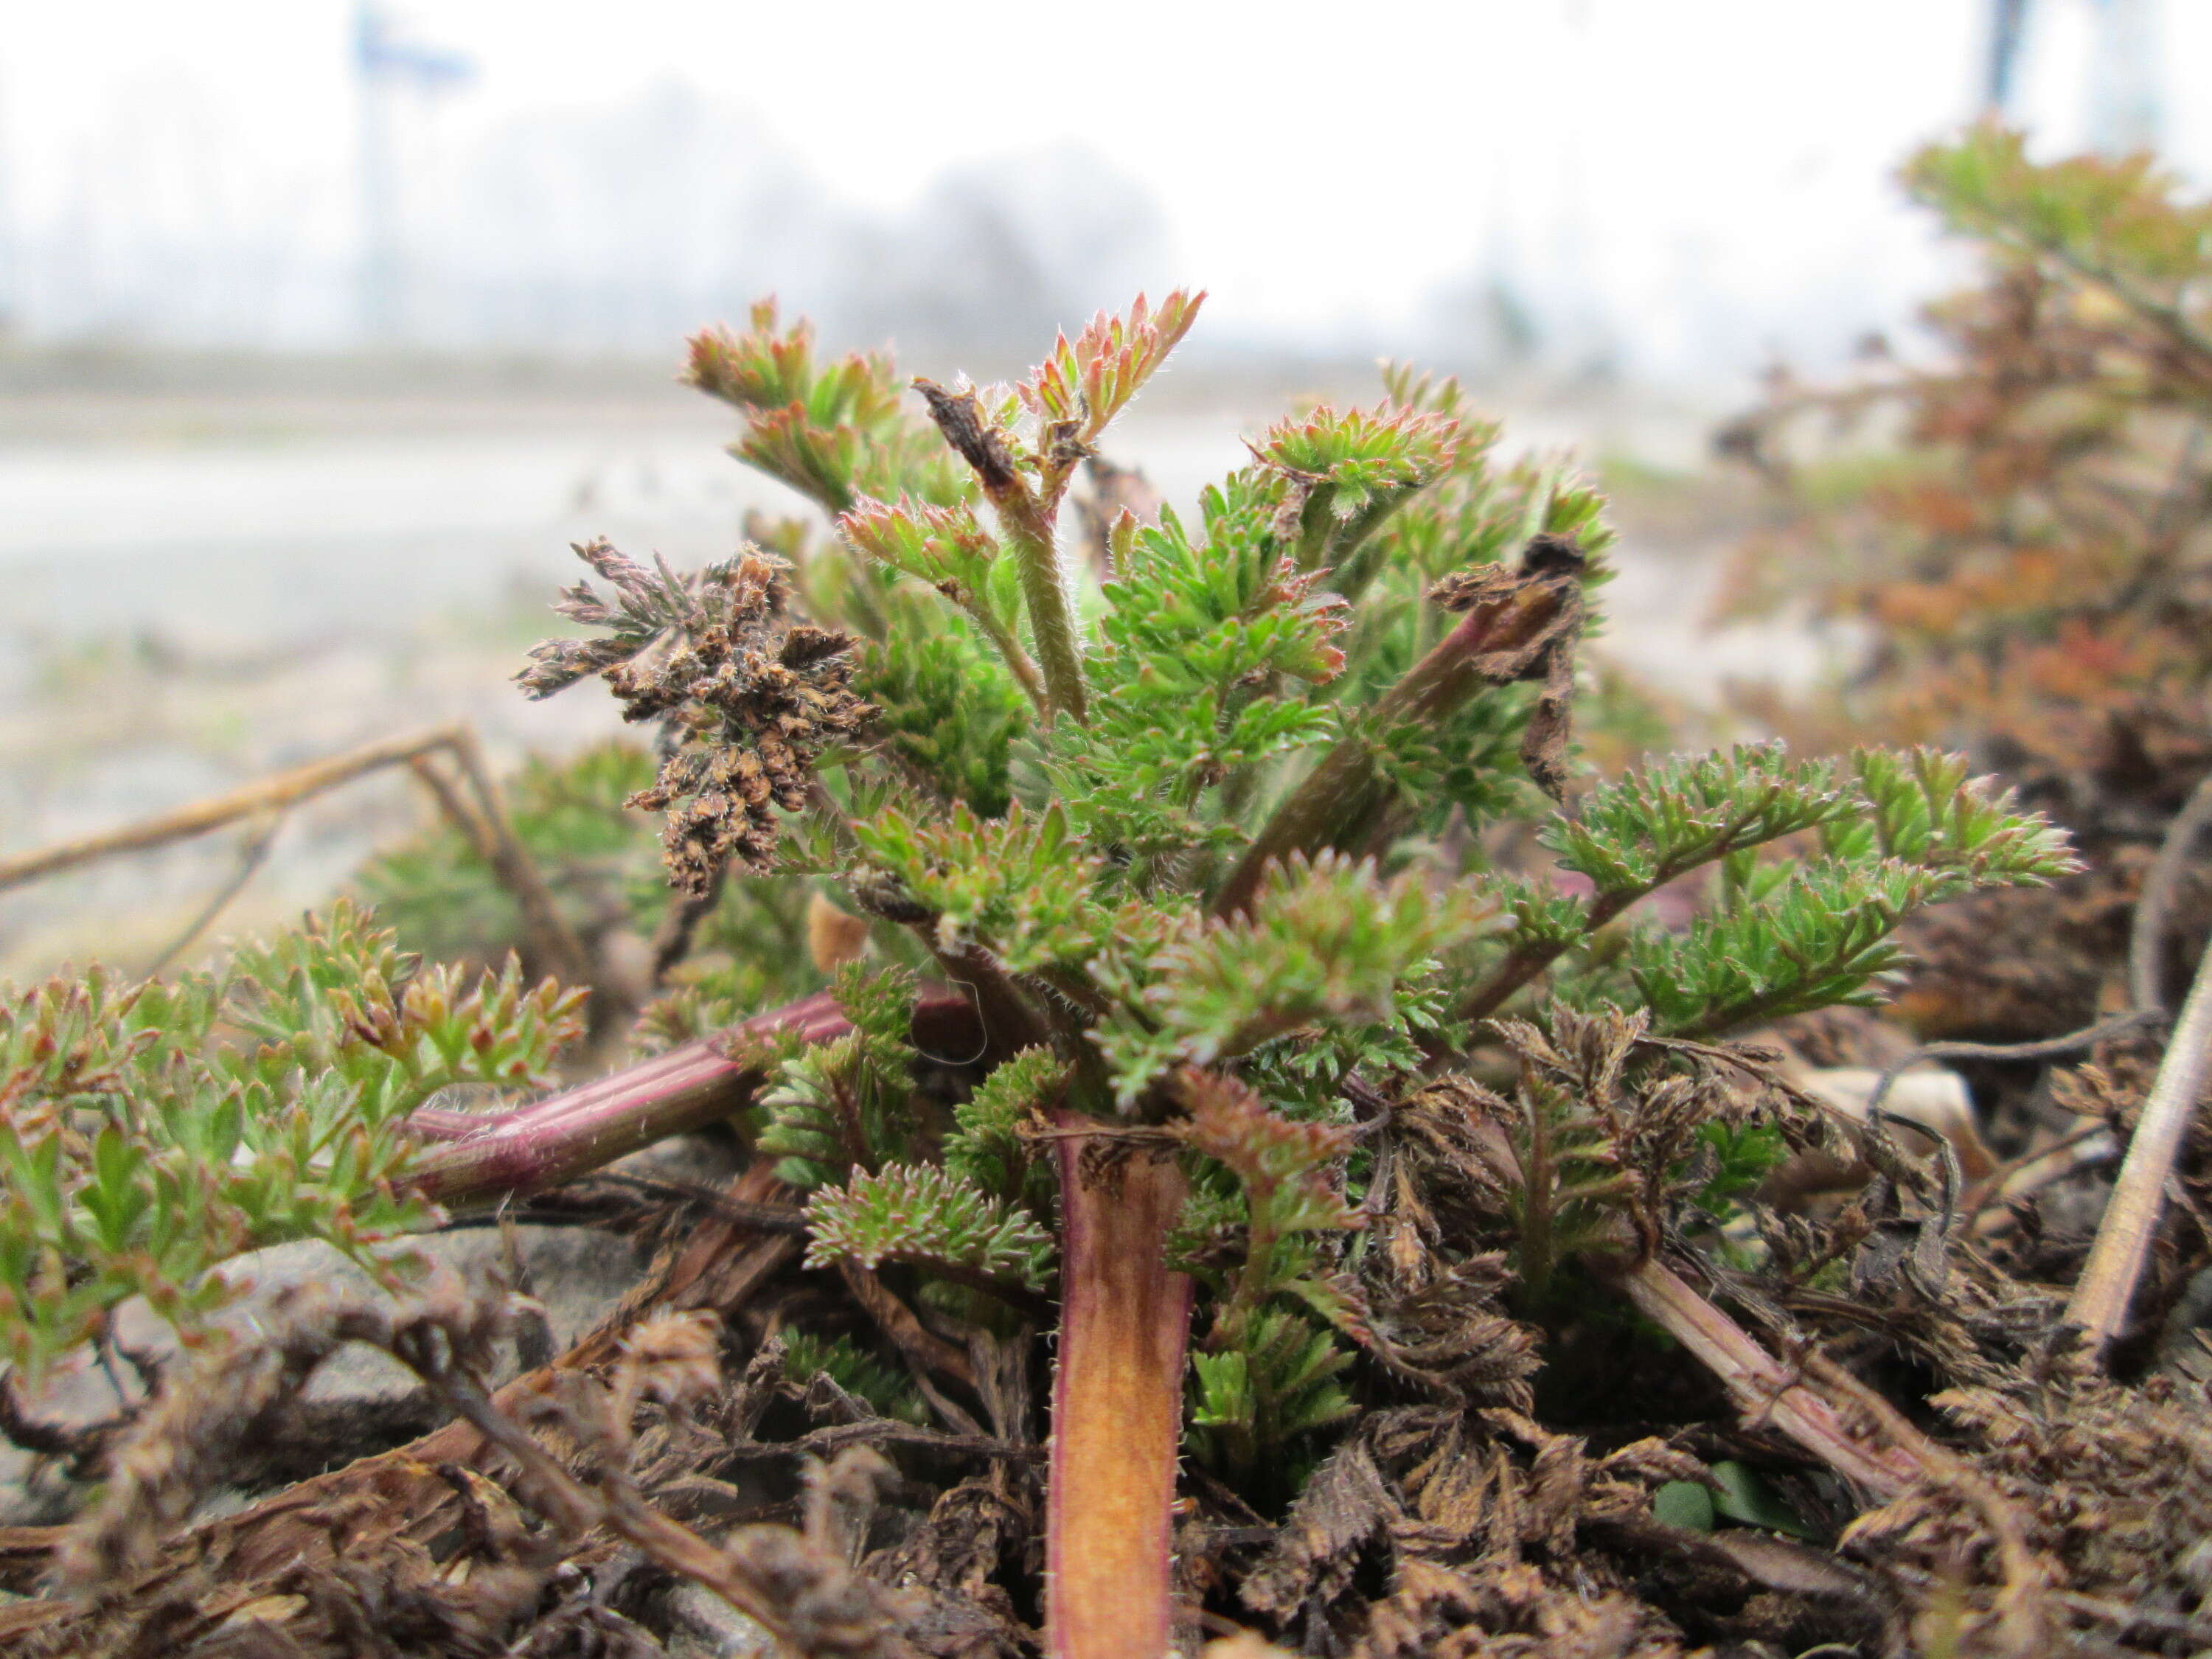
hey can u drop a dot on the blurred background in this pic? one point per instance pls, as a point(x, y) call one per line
point(326, 324)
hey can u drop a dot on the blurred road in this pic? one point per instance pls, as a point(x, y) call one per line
point(195, 590)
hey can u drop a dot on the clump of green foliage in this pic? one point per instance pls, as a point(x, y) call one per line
point(440, 895)
point(1206, 840)
point(150, 1131)
point(1204, 834)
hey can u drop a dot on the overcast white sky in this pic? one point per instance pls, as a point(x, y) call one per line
point(1317, 162)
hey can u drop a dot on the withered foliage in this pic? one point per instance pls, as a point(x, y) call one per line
point(2110, 1489)
point(1551, 567)
point(536, 1547)
point(2013, 527)
point(747, 697)
point(1474, 1520)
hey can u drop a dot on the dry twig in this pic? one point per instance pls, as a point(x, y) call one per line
point(2107, 1284)
point(1768, 1390)
point(280, 790)
point(551, 942)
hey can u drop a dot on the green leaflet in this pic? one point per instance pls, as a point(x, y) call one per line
point(152, 1131)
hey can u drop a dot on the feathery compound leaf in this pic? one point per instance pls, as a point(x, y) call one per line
point(855, 1370)
point(879, 1001)
point(1020, 885)
point(1226, 606)
point(1651, 827)
point(947, 547)
point(1266, 1375)
point(836, 433)
point(1920, 806)
point(148, 1133)
point(1358, 454)
point(1249, 1401)
point(768, 367)
point(1325, 942)
point(926, 1216)
point(949, 550)
point(1089, 381)
point(1821, 940)
point(2117, 215)
point(847, 1104)
point(947, 705)
point(986, 1147)
point(337, 995)
point(1198, 638)
point(1291, 1171)
point(1344, 472)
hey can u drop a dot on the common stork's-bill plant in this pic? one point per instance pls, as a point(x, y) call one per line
point(1194, 818)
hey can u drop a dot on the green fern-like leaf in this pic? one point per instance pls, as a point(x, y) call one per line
point(925, 1215)
point(986, 1147)
point(1250, 1403)
point(1021, 886)
point(1326, 943)
point(1632, 836)
point(1207, 641)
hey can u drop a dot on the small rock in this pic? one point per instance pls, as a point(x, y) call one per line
point(576, 1274)
point(703, 1626)
point(1936, 1099)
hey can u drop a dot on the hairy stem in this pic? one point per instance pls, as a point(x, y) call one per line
point(1051, 622)
point(1117, 1405)
point(1027, 522)
point(478, 1157)
point(1350, 574)
point(1339, 802)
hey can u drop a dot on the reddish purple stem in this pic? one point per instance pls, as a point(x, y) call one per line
point(476, 1156)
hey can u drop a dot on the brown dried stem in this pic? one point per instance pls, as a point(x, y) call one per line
point(551, 943)
point(2107, 1285)
point(922, 1346)
point(1769, 1393)
point(557, 950)
point(2154, 906)
point(265, 794)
